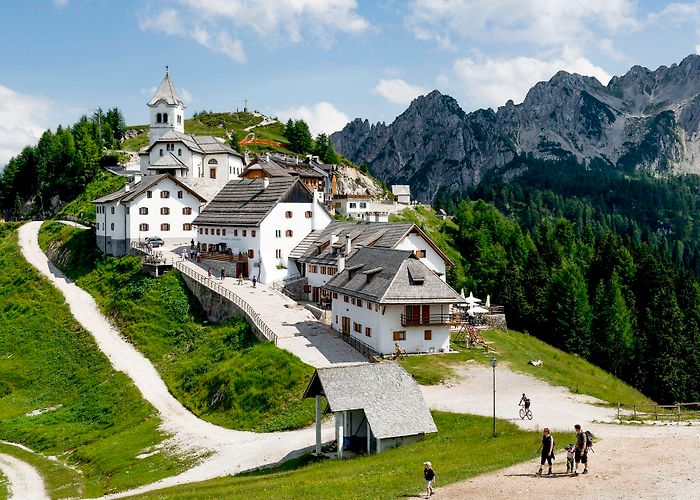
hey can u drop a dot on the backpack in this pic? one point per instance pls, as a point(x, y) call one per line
point(589, 440)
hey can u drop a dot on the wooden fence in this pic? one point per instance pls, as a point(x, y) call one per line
point(253, 316)
point(678, 411)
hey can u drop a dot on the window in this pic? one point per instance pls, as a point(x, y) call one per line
point(111, 226)
point(278, 254)
point(346, 298)
point(428, 335)
point(335, 295)
point(179, 152)
point(212, 173)
point(165, 117)
point(187, 227)
point(308, 214)
point(288, 214)
point(252, 233)
point(245, 232)
point(165, 227)
point(186, 210)
point(288, 233)
point(159, 118)
point(399, 335)
point(323, 269)
point(357, 327)
point(142, 227)
point(368, 331)
point(369, 306)
point(212, 162)
point(179, 194)
point(363, 204)
point(112, 210)
point(128, 210)
point(235, 232)
point(313, 268)
point(201, 231)
point(179, 121)
point(165, 194)
point(164, 211)
point(420, 254)
point(218, 231)
point(149, 194)
point(359, 303)
point(206, 230)
point(223, 232)
point(143, 211)
point(161, 151)
point(278, 233)
point(353, 205)
point(251, 253)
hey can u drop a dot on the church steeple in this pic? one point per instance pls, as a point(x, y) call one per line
point(167, 109)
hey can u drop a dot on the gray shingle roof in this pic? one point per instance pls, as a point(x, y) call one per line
point(271, 168)
point(168, 161)
point(375, 234)
point(401, 189)
point(147, 182)
point(166, 92)
point(246, 203)
point(205, 144)
point(389, 396)
point(391, 277)
point(304, 245)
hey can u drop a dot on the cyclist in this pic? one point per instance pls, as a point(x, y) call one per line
point(525, 401)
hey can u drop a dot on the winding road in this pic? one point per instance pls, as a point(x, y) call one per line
point(25, 483)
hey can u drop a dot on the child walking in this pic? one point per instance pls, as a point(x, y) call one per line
point(429, 475)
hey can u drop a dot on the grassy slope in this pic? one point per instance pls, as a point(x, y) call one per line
point(462, 448)
point(48, 360)
point(516, 349)
point(82, 207)
point(218, 371)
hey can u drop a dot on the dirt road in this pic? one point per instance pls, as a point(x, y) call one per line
point(25, 483)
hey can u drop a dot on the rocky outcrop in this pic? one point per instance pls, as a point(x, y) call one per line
point(641, 120)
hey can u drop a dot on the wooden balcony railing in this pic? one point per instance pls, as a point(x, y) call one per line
point(432, 319)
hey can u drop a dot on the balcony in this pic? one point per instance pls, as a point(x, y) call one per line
point(432, 319)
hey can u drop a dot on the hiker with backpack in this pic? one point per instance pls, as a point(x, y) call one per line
point(547, 448)
point(584, 442)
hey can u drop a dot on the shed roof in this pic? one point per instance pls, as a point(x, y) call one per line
point(246, 202)
point(389, 396)
point(401, 279)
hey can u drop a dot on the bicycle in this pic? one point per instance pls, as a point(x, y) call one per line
point(525, 412)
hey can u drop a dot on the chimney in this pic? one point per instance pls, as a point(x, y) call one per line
point(127, 187)
point(341, 262)
point(246, 159)
point(334, 238)
point(267, 157)
point(137, 178)
point(348, 244)
point(266, 182)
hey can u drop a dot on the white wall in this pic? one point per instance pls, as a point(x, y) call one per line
point(432, 259)
point(158, 129)
point(234, 240)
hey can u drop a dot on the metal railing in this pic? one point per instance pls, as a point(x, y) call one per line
point(363, 348)
point(431, 319)
point(228, 294)
point(678, 411)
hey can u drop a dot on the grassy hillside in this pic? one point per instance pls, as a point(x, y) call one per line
point(218, 371)
point(82, 207)
point(516, 349)
point(462, 448)
point(99, 422)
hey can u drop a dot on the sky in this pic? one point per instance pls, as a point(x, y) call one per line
point(326, 61)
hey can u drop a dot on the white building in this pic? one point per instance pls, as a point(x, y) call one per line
point(156, 205)
point(172, 151)
point(402, 193)
point(323, 253)
point(386, 298)
point(258, 222)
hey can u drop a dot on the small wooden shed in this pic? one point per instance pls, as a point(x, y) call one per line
point(376, 406)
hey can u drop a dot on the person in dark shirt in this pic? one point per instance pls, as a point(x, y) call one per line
point(429, 475)
point(580, 450)
point(547, 447)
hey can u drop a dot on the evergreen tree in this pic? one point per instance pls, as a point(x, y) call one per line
point(324, 149)
point(612, 336)
point(569, 316)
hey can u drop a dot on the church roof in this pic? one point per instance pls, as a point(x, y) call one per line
point(166, 92)
point(205, 144)
point(168, 161)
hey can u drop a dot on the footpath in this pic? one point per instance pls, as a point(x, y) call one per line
point(25, 483)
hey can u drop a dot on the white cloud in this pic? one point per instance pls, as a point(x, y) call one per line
point(490, 82)
point(23, 118)
point(321, 117)
point(399, 91)
point(540, 22)
point(170, 22)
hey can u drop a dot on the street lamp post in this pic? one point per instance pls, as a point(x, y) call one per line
point(494, 362)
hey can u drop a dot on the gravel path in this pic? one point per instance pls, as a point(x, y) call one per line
point(230, 451)
point(25, 483)
point(630, 461)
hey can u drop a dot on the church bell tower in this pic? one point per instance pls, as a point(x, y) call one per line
point(166, 109)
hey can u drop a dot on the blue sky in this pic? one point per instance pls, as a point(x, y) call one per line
point(326, 61)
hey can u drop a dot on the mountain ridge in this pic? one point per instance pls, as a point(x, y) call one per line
point(642, 120)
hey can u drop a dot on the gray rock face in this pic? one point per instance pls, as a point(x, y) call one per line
point(641, 120)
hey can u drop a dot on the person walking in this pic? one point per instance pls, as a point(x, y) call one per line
point(209, 272)
point(254, 281)
point(429, 475)
point(223, 274)
point(547, 448)
point(580, 450)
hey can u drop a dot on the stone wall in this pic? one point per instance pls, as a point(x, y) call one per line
point(217, 307)
point(497, 321)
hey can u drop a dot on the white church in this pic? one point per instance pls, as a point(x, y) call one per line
point(179, 174)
